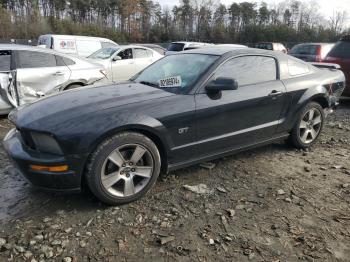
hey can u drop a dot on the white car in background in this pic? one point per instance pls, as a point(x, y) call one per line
point(74, 45)
point(28, 73)
point(123, 62)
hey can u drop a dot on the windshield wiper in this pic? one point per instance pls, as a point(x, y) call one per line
point(149, 83)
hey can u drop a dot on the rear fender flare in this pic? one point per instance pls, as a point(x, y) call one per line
point(317, 94)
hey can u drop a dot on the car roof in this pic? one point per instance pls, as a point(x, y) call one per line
point(151, 45)
point(220, 51)
point(27, 47)
point(16, 47)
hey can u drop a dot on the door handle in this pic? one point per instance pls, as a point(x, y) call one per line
point(58, 74)
point(276, 93)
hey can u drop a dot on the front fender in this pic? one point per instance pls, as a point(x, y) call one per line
point(83, 135)
point(149, 126)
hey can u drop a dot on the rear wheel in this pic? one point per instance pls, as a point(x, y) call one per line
point(308, 126)
point(123, 168)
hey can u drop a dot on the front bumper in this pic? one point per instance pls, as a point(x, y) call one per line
point(24, 157)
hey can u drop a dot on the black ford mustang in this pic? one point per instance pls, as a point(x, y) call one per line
point(184, 109)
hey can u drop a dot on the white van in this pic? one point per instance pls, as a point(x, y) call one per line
point(72, 44)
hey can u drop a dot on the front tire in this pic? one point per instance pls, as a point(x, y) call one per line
point(308, 127)
point(123, 168)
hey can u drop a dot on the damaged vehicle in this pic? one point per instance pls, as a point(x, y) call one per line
point(28, 73)
point(184, 109)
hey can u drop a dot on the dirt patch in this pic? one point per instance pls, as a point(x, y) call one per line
point(269, 204)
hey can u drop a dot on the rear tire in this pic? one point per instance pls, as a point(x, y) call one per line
point(308, 126)
point(123, 168)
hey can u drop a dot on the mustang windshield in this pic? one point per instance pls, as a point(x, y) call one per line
point(176, 73)
point(104, 53)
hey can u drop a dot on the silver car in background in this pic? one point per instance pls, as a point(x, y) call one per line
point(28, 73)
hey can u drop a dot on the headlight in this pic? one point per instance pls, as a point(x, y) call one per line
point(45, 143)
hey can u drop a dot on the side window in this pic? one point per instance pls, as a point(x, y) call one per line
point(141, 53)
point(297, 68)
point(33, 59)
point(249, 70)
point(126, 54)
point(5, 60)
point(68, 61)
point(63, 61)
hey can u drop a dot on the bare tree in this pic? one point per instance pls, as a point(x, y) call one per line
point(337, 21)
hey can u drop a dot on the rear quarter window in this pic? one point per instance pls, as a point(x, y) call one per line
point(63, 61)
point(141, 53)
point(341, 50)
point(297, 68)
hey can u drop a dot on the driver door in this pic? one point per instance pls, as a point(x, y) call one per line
point(233, 119)
point(123, 69)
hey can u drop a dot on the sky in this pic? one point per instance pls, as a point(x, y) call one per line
point(327, 7)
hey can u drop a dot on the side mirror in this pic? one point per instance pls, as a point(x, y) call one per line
point(116, 58)
point(221, 84)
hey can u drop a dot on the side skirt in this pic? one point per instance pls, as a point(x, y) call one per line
point(191, 162)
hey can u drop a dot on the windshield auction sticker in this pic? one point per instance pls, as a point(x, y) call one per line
point(174, 81)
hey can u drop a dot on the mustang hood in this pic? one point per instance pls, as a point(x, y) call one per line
point(76, 103)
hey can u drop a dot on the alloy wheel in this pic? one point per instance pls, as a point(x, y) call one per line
point(310, 126)
point(127, 170)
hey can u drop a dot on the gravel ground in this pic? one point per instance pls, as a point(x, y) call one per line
point(269, 204)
